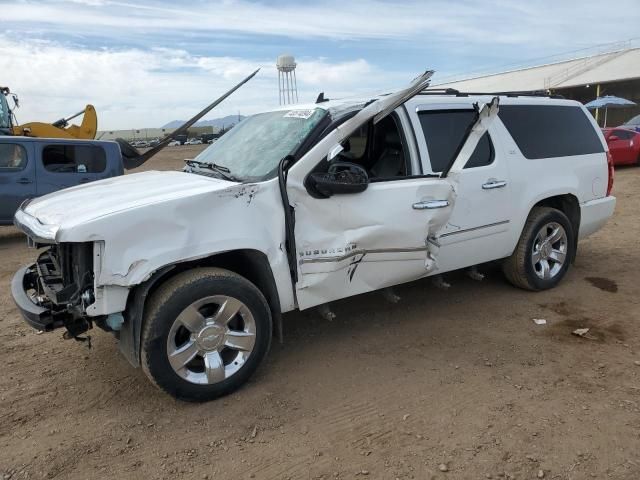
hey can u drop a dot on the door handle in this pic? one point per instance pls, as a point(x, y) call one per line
point(25, 181)
point(430, 204)
point(494, 184)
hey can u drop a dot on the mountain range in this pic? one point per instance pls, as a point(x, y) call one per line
point(216, 122)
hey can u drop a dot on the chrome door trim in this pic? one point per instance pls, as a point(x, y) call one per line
point(361, 251)
point(448, 234)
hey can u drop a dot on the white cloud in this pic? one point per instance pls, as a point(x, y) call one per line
point(544, 22)
point(146, 88)
point(149, 74)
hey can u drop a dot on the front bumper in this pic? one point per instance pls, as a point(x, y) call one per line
point(37, 316)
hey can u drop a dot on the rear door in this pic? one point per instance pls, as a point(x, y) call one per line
point(62, 165)
point(477, 230)
point(17, 177)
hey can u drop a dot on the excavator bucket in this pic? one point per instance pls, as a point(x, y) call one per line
point(61, 128)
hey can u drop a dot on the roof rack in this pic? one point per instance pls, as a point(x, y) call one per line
point(458, 93)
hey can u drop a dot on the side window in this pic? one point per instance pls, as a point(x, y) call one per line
point(74, 158)
point(547, 131)
point(622, 134)
point(444, 130)
point(356, 145)
point(380, 149)
point(13, 157)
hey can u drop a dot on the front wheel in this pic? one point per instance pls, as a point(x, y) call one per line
point(205, 332)
point(543, 254)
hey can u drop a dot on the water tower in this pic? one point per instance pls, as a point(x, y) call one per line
point(286, 66)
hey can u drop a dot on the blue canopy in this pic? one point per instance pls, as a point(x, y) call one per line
point(607, 102)
point(610, 101)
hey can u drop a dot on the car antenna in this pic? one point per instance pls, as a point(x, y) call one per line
point(132, 158)
point(321, 98)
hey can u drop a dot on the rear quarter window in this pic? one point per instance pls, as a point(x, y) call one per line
point(546, 131)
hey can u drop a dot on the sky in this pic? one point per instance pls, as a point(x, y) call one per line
point(144, 63)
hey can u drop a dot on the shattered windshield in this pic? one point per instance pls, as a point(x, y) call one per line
point(253, 149)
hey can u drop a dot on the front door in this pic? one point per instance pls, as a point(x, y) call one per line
point(348, 244)
point(17, 177)
point(354, 243)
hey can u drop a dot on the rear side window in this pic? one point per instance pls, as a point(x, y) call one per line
point(13, 157)
point(545, 131)
point(623, 134)
point(444, 130)
point(74, 158)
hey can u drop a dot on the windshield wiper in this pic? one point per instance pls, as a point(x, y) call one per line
point(223, 171)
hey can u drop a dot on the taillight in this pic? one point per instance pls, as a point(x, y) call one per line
point(610, 165)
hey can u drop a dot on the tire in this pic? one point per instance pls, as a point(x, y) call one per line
point(537, 243)
point(205, 332)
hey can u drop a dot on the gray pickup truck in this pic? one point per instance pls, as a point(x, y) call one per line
point(31, 167)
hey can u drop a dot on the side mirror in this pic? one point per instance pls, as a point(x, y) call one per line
point(341, 178)
point(613, 138)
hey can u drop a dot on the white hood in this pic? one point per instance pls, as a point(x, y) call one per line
point(84, 203)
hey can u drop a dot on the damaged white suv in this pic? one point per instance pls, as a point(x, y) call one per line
point(303, 205)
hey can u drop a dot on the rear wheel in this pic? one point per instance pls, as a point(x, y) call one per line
point(543, 254)
point(205, 333)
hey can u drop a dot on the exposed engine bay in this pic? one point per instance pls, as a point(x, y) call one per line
point(61, 281)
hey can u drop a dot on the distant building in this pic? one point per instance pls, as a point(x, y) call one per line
point(153, 133)
point(583, 79)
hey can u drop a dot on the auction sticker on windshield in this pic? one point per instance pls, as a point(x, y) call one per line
point(304, 114)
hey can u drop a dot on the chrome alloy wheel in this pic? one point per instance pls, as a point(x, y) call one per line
point(211, 339)
point(549, 251)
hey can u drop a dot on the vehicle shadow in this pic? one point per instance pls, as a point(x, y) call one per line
point(420, 302)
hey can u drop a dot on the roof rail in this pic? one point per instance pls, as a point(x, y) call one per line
point(458, 93)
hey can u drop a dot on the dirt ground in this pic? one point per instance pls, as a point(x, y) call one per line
point(450, 384)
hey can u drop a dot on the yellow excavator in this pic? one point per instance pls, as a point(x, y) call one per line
point(59, 129)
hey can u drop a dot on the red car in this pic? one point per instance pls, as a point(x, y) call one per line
point(624, 145)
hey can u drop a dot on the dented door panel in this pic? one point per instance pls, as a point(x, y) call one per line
point(479, 226)
point(386, 235)
point(351, 244)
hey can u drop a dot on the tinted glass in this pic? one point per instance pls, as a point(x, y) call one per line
point(623, 134)
point(74, 158)
point(13, 157)
point(357, 143)
point(445, 130)
point(545, 131)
